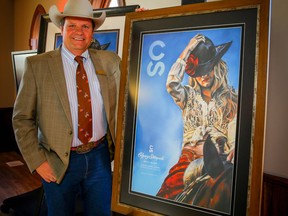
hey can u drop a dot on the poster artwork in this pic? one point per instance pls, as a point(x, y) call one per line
point(185, 127)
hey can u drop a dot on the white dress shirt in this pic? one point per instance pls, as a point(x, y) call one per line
point(98, 111)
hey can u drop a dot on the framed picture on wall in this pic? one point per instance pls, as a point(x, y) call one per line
point(104, 40)
point(18, 61)
point(112, 29)
point(191, 110)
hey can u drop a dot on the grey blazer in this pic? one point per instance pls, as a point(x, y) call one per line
point(42, 120)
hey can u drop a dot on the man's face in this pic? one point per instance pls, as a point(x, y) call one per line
point(77, 34)
point(207, 80)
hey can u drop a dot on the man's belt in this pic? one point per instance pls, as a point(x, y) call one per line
point(85, 148)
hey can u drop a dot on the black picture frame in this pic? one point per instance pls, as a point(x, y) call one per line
point(46, 25)
point(185, 2)
point(253, 19)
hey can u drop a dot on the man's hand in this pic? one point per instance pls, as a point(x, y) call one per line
point(45, 171)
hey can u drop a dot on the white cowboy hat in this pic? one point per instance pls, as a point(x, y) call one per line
point(76, 8)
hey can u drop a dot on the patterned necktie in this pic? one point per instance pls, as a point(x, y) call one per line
point(84, 103)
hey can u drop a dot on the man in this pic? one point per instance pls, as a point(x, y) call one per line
point(47, 122)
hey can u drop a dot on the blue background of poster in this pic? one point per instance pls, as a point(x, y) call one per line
point(158, 133)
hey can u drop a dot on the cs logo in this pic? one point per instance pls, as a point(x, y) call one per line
point(156, 65)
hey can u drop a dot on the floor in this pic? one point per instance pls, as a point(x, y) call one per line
point(16, 180)
point(15, 176)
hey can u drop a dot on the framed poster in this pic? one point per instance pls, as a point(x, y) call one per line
point(18, 61)
point(192, 110)
point(112, 29)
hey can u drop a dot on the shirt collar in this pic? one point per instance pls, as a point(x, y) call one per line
point(71, 56)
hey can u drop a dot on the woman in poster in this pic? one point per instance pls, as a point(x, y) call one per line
point(209, 107)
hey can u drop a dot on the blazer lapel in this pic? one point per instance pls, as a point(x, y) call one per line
point(56, 69)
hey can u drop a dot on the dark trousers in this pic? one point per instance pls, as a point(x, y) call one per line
point(88, 175)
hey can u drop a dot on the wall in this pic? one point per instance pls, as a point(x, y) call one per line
point(276, 149)
point(7, 87)
point(15, 18)
point(154, 4)
point(24, 11)
point(275, 145)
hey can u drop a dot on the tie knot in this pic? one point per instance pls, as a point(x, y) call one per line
point(79, 59)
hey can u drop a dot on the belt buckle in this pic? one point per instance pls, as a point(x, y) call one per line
point(82, 149)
